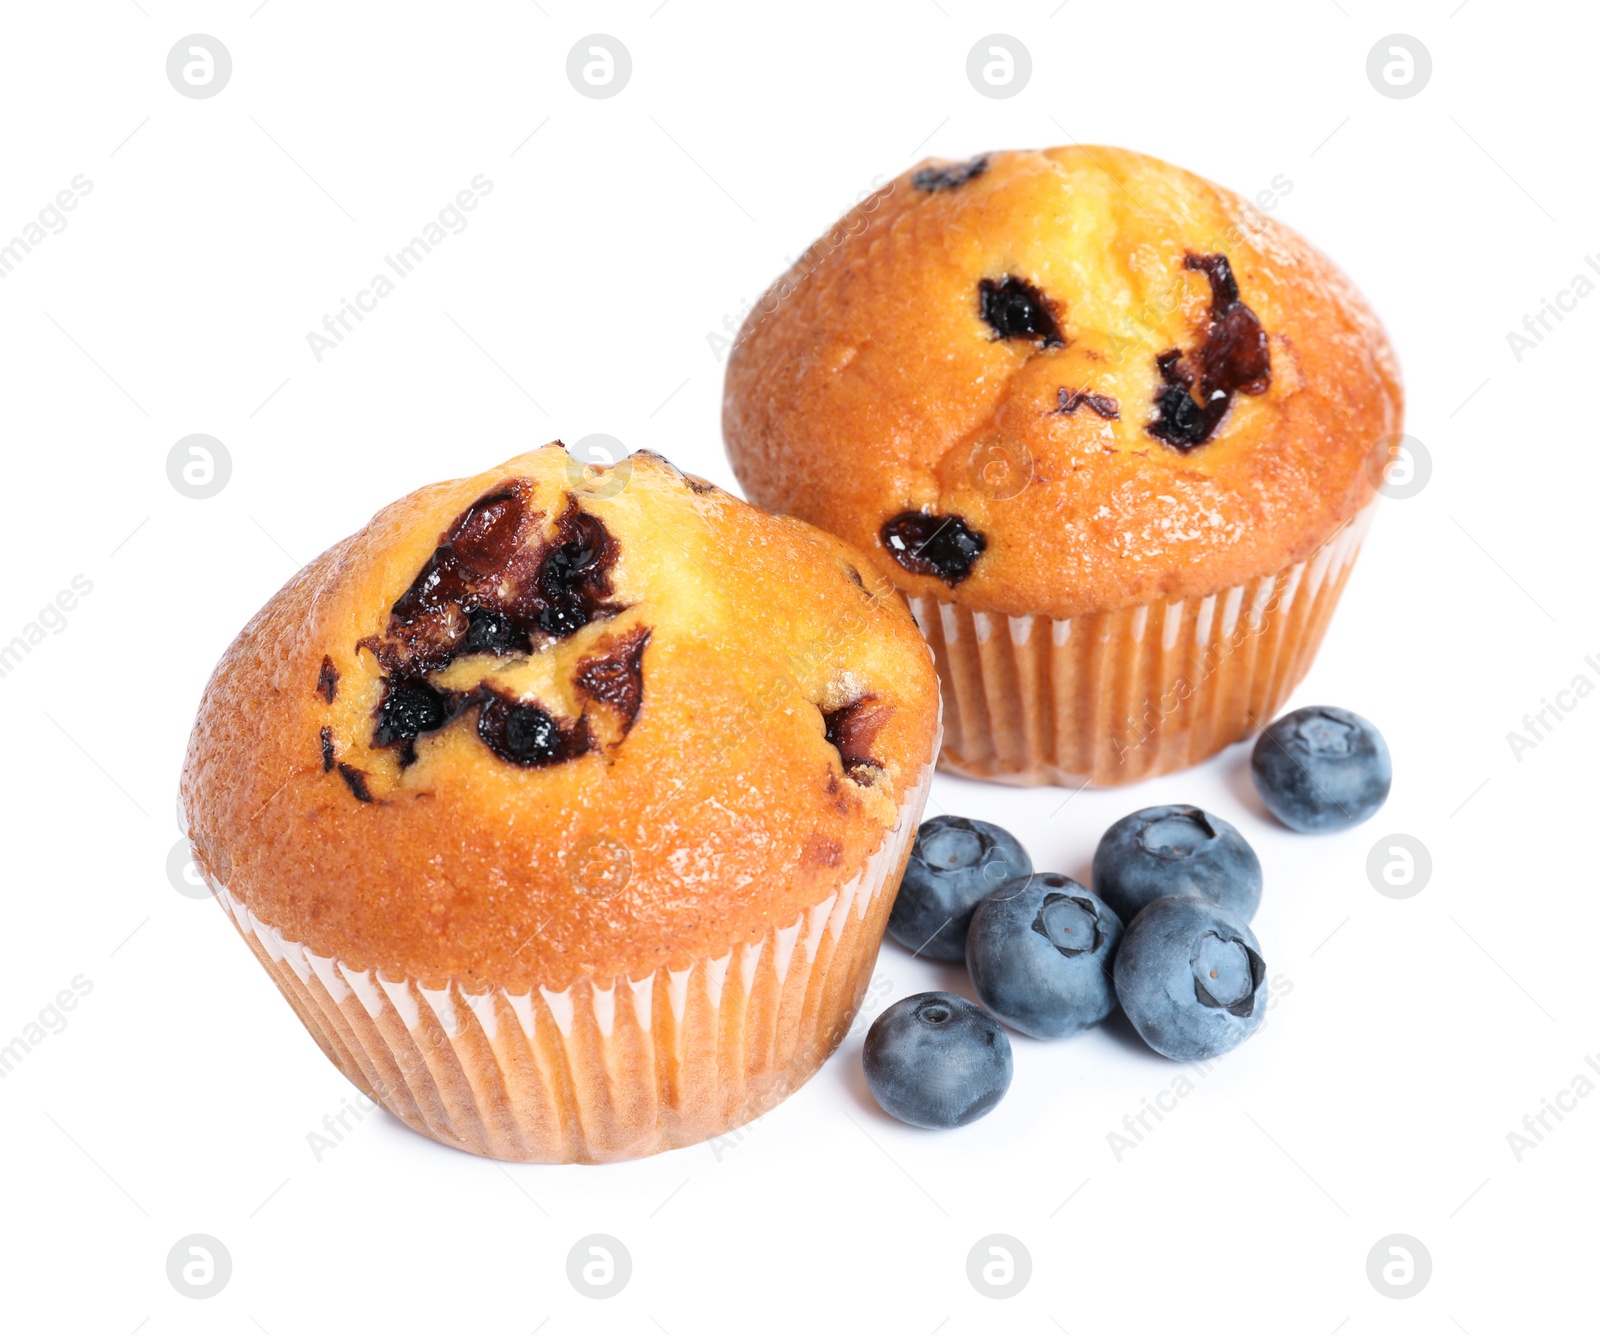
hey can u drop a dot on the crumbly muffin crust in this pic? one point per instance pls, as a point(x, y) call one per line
point(557, 722)
point(1061, 381)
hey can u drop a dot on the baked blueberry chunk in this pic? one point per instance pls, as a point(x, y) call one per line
point(938, 545)
point(1234, 359)
point(1068, 401)
point(1015, 308)
point(494, 586)
point(950, 174)
point(525, 734)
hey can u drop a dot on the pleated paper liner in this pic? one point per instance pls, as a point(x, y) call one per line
point(1113, 697)
point(596, 1073)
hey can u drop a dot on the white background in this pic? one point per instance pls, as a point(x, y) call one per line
point(1409, 1036)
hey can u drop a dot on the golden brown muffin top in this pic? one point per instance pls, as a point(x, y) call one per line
point(557, 721)
point(1057, 381)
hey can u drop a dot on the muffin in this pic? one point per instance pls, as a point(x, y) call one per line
point(566, 804)
point(1106, 424)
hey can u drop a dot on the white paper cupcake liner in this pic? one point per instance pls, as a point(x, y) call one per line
point(602, 1072)
point(1113, 697)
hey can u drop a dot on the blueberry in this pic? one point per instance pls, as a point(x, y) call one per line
point(1015, 308)
point(936, 1060)
point(938, 545)
point(490, 631)
point(954, 863)
point(1176, 850)
point(1191, 978)
point(525, 734)
point(1040, 951)
point(1236, 357)
point(950, 175)
point(1321, 769)
point(407, 710)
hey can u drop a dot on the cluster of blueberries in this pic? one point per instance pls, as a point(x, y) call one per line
point(1164, 933)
